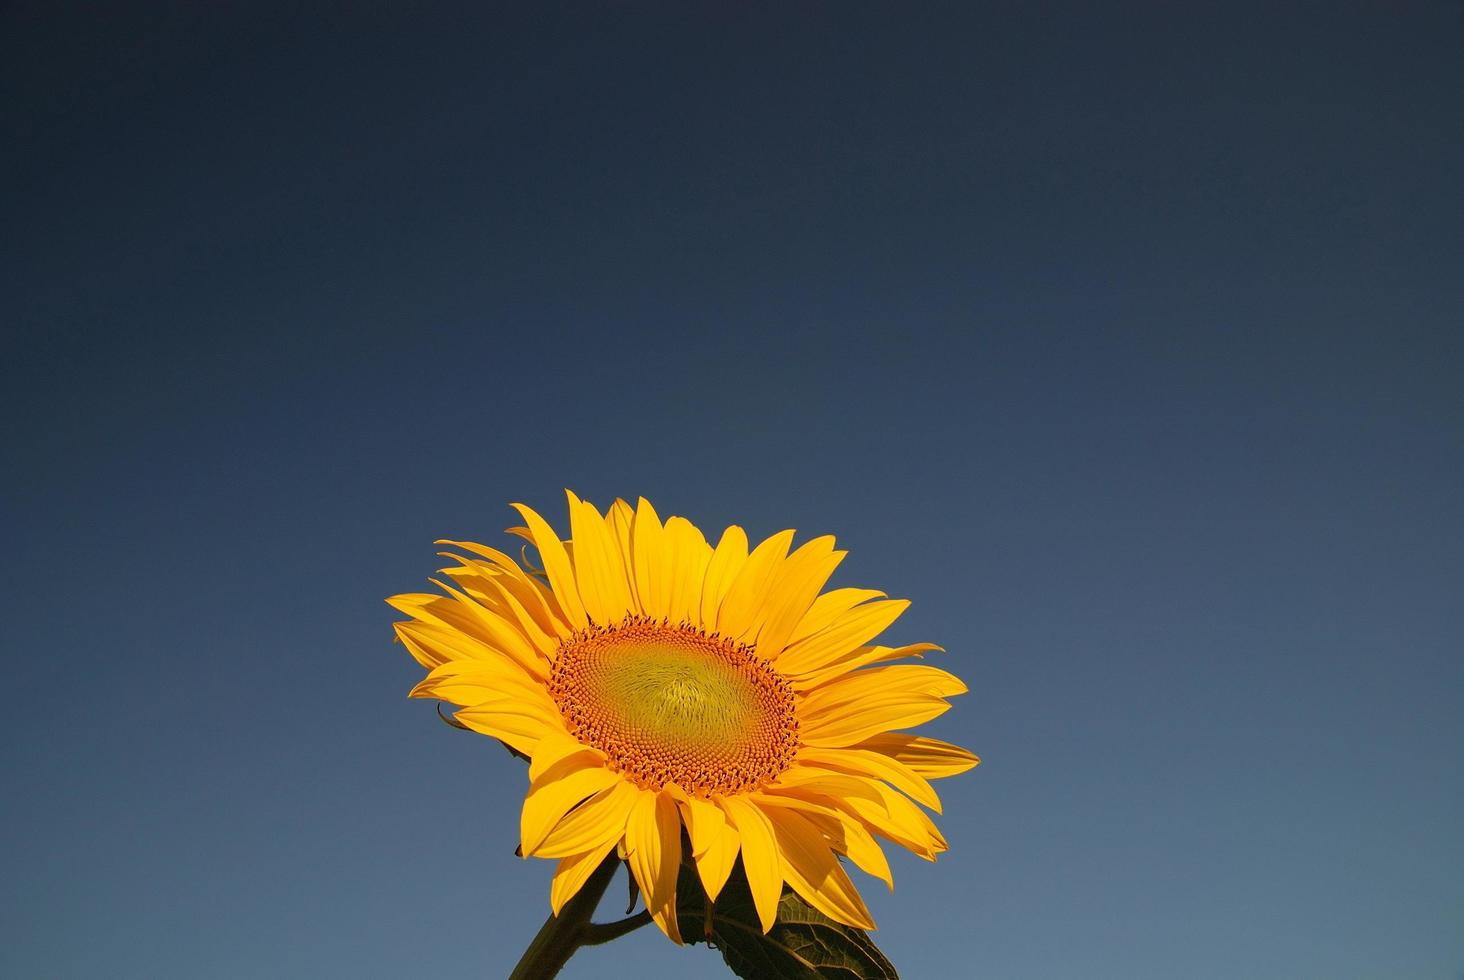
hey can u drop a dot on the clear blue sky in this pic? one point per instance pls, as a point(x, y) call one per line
point(1126, 340)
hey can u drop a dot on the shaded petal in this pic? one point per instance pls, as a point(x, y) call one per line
point(557, 791)
point(572, 874)
point(875, 766)
point(899, 820)
point(714, 843)
point(804, 779)
point(928, 757)
point(554, 748)
point(846, 833)
point(851, 838)
point(653, 848)
point(811, 867)
point(715, 866)
point(759, 857)
point(704, 820)
point(597, 824)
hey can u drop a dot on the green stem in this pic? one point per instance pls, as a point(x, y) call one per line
point(566, 932)
point(602, 932)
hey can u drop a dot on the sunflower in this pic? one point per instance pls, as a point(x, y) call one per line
point(655, 682)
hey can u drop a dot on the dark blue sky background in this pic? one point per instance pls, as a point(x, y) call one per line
point(1126, 340)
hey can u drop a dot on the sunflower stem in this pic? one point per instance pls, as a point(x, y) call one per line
point(602, 932)
point(566, 932)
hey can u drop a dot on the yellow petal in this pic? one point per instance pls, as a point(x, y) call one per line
point(596, 824)
point(554, 748)
point(929, 757)
point(804, 779)
point(713, 842)
point(470, 682)
point(598, 566)
point(472, 576)
point(556, 565)
point(652, 585)
point(759, 857)
point(446, 618)
point(797, 584)
point(846, 834)
point(653, 846)
point(546, 643)
point(704, 820)
point(846, 723)
point(530, 593)
point(879, 808)
point(686, 557)
point(829, 607)
point(858, 657)
point(722, 568)
point(516, 695)
point(495, 556)
point(851, 838)
point(862, 685)
point(504, 594)
point(490, 644)
point(621, 520)
point(500, 634)
point(572, 874)
point(715, 865)
point(875, 766)
point(814, 872)
point(426, 654)
point(899, 820)
point(411, 602)
point(445, 643)
point(512, 724)
point(902, 809)
point(854, 629)
point(749, 589)
point(558, 790)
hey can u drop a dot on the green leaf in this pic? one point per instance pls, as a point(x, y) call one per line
point(804, 944)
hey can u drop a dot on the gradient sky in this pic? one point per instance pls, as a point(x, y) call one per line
point(1126, 340)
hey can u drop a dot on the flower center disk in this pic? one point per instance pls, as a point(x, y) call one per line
point(672, 704)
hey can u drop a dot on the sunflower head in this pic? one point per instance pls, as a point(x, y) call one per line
point(676, 705)
point(659, 683)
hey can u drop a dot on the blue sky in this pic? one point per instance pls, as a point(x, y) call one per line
point(1125, 341)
